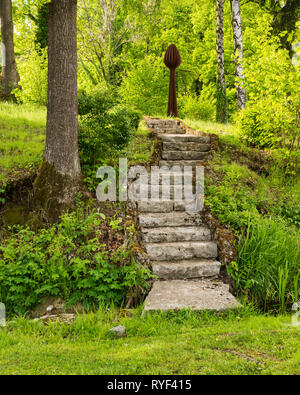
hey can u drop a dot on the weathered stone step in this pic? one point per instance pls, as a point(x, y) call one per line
point(153, 220)
point(165, 206)
point(190, 294)
point(183, 146)
point(167, 192)
point(181, 270)
point(163, 131)
point(175, 234)
point(174, 178)
point(156, 207)
point(186, 138)
point(181, 250)
point(183, 155)
point(181, 163)
point(155, 122)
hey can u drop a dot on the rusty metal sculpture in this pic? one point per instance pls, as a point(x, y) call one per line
point(172, 61)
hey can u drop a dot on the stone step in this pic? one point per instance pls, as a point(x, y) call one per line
point(175, 234)
point(155, 207)
point(183, 146)
point(196, 295)
point(163, 131)
point(181, 250)
point(185, 138)
point(181, 163)
point(177, 189)
point(182, 270)
point(154, 220)
point(174, 178)
point(182, 201)
point(165, 206)
point(154, 123)
point(184, 155)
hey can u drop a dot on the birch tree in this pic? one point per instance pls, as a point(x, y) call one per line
point(221, 115)
point(238, 52)
point(10, 77)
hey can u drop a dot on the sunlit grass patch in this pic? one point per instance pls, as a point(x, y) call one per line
point(227, 133)
point(22, 137)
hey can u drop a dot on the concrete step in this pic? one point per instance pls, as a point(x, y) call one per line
point(175, 234)
point(166, 206)
point(174, 178)
point(154, 220)
point(183, 146)
point(156, 207)
point(167, 192)
point(156, 123)
point(162, 131)
point(181, 163)
point(190, 294)
point(181, 250)
point(181, 270)
point(184, 155)
point(185, 138)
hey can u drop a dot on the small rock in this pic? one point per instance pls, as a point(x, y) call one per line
point(119, 331)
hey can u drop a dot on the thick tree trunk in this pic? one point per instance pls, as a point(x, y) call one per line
point(10, 77)
point(238, 50)
point(221, 114)
point(59, 178)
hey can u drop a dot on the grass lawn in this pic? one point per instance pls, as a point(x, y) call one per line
point(179, 343)
point(227, 133)
point(22, 136)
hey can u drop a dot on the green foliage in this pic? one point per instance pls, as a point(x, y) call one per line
point(70, 259)
point(197, 107)
point(291, 214)
point(41, 21)
point(230, 199)
point(271, 119)
point(267, 270)
point(146, 87)
point(105, 126)
point(33, 69)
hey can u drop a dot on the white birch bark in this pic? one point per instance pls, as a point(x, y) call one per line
point(221, 87)
point(238, 51)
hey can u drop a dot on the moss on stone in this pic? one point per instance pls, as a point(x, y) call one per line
point(15, 215)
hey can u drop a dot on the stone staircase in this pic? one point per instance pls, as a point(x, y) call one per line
point(178, 243)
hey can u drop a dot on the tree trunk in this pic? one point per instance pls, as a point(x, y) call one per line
point(59, 178)
point(10, 77)
point(221, 114)
point(238, 51)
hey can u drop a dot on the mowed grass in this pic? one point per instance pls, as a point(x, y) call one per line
point(22, 137)
point(172, 343)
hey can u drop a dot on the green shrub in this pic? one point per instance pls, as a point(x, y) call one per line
point(291, 214)
point(230, 198)
point(97, 100)
point(33, 69)
point(72, 260)
point(197, 107)
point(105, 126)
point(146, 86)
point(267, 270)
point(271, 118)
